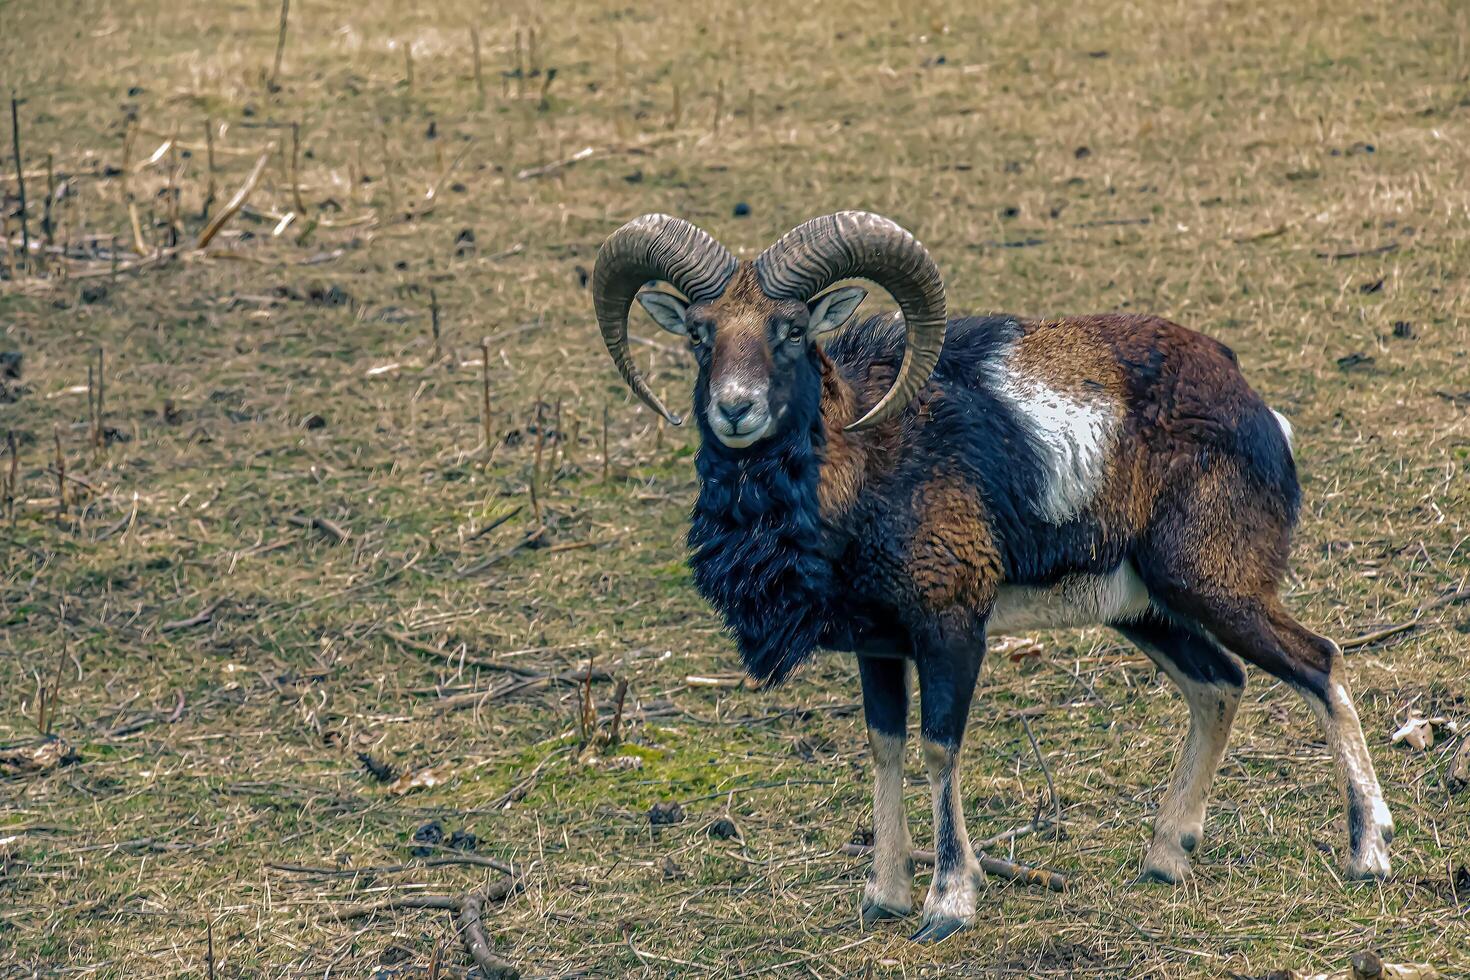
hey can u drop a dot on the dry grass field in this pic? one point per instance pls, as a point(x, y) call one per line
point(287, 556)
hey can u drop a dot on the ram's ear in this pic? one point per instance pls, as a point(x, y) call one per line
point(831, 310)
point(667, 311)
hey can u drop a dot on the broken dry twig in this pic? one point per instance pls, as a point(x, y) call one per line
point(325, 525)
point(198, 619)
point(469, 909)
point(1009, 870)
point(235, 203)
point(1377, 636)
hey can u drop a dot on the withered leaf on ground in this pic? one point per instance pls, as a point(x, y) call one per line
point(426, 778)
point(1417, 732)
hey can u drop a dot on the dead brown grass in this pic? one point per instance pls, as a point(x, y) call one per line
point(1204, 162)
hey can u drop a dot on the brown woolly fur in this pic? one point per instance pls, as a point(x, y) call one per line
point(952, 560)
point(1071, 355)
point(1223, 540)
point(844, 457)
point(1075, 355)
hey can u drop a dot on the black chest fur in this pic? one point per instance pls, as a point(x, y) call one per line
point(759, 553)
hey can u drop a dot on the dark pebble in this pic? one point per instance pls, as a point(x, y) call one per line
point(394, 954)
point(331, 295)
point(380, 770)
point(724, 829)
point(661, 814)
point(427, 838)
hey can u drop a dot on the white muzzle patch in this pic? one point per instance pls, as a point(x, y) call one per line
point(743, 429)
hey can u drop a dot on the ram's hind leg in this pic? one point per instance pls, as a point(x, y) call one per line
point(1211, 681)
point(889, 890)
point(1215, 556)
point(1265, 634)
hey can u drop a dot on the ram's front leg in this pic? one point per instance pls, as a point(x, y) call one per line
point(948, 663)
point(889, 891)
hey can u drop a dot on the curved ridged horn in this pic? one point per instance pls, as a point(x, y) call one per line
point(655, 246)
point(862, 245)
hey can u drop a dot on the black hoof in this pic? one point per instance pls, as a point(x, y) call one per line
point(938, 930)
point(877, 913)
point(1155, 876)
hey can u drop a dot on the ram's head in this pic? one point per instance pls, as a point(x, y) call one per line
point(751, 324)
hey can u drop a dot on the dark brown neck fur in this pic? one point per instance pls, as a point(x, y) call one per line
point(845, 454)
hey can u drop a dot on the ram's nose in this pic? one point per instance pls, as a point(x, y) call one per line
point(734, 411)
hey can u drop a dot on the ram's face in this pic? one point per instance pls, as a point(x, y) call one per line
point(753, 352)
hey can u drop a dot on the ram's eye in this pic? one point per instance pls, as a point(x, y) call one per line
point(794, 333)
point(697, 331)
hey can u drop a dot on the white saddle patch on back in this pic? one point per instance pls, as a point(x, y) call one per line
point(1077, 600)
point(1075, 438)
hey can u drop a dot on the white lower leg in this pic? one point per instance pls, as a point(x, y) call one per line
point(1179, 823)
point(1370, 824)
point(889, 889)
point(956, 882)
